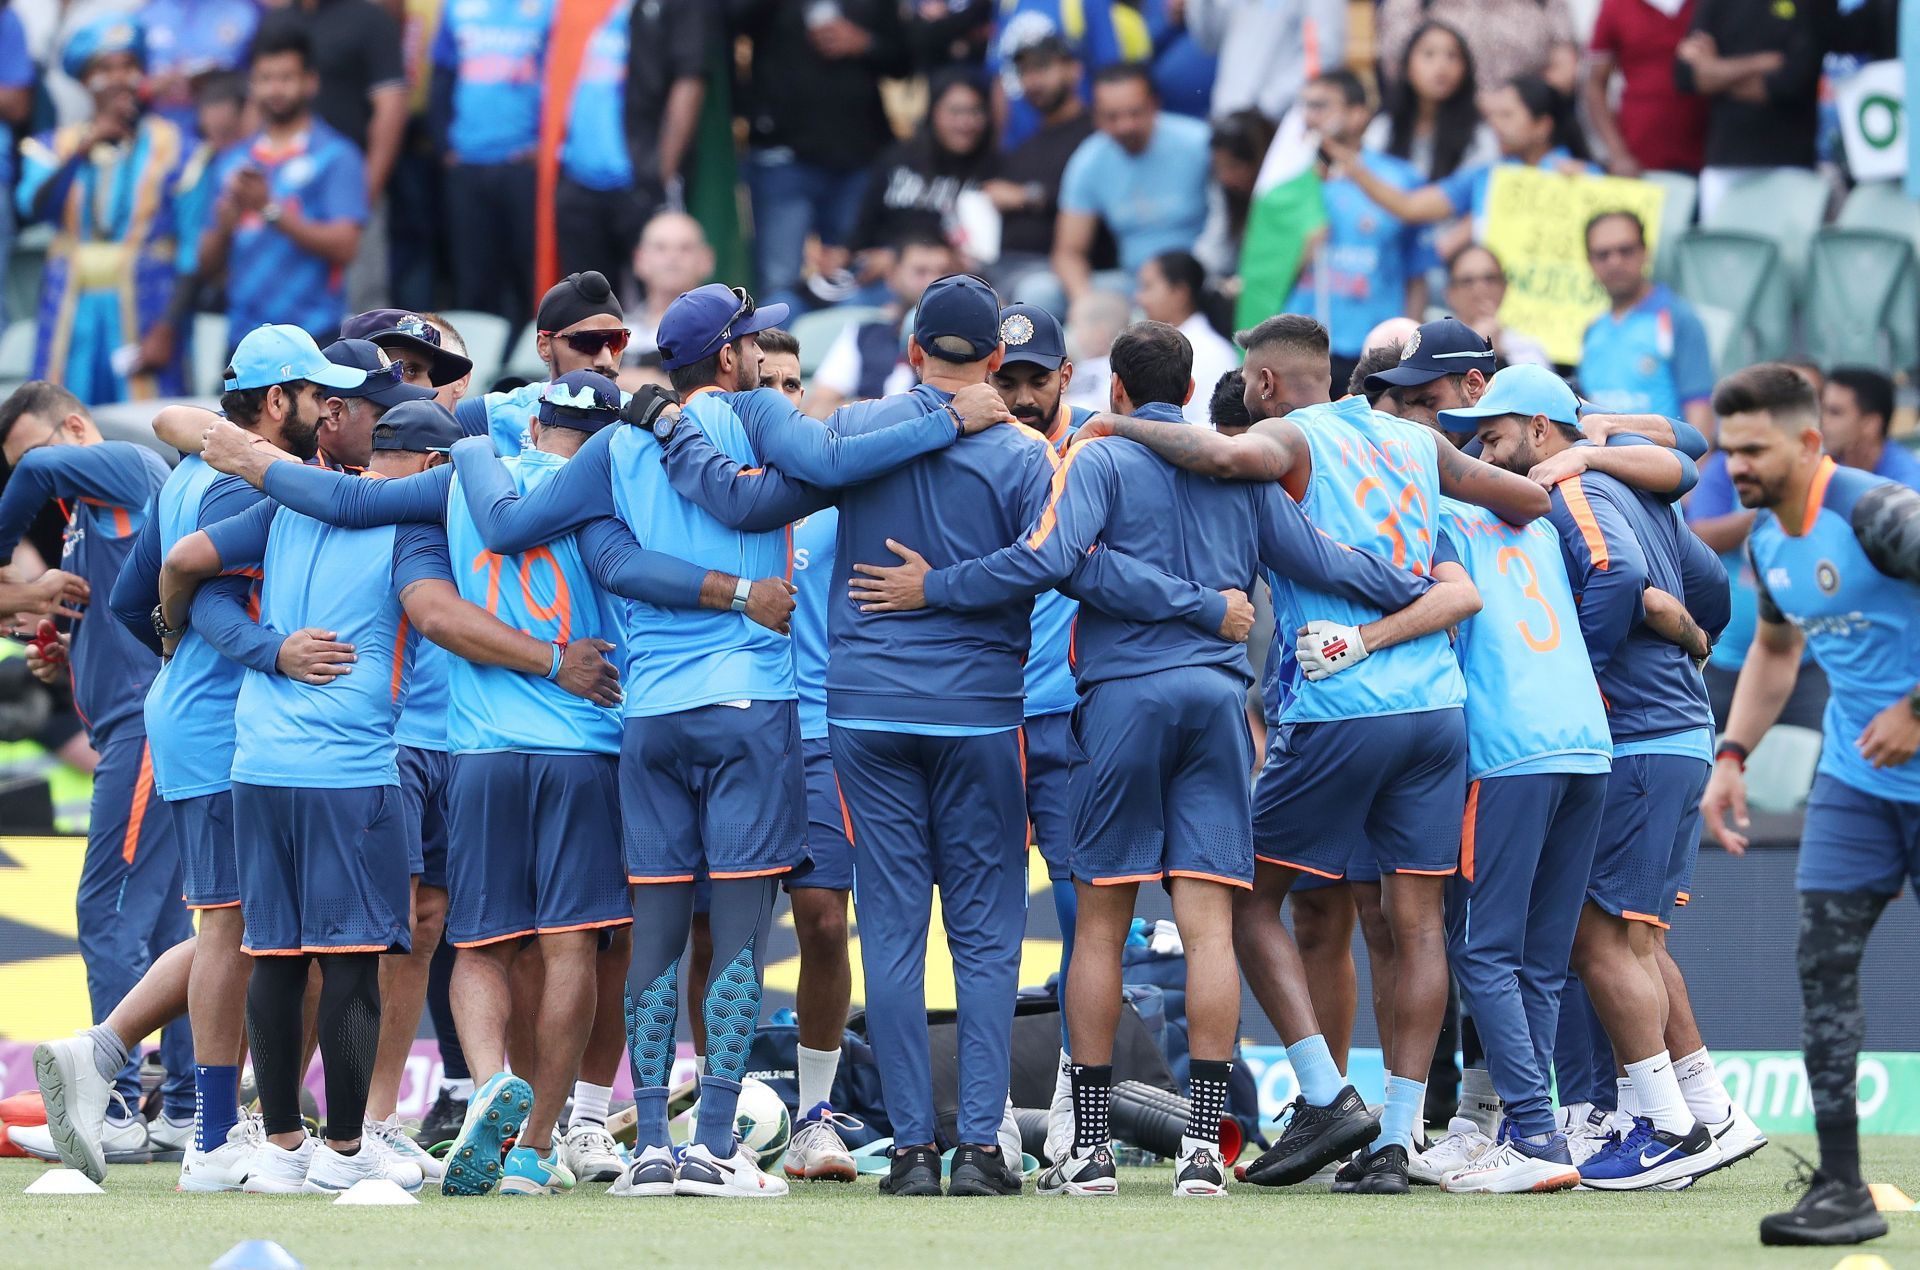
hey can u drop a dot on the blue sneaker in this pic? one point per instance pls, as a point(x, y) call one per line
point(527, 1172)
point(498, 1109)
point(1648, 1157)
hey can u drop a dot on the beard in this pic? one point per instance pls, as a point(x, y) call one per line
point(301, 436)
point(1033, 417)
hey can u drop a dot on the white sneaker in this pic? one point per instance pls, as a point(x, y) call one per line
point(1092, 1173)
point(274, 1170)
point(650, 1176)
point(736, 1177)
point(590, 1152)
point(331, 1172)
point(1507, 1170)
point(1591, 1136)
point(817, 1152)
point(1463, 1146)
point(1198, 1171)
point(76, 1097)
point(1060, 1111)
point(225, 1167)
point(1738, 1136)
point(169, 1139)
point(395, 1138)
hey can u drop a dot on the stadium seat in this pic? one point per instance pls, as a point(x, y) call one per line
point(486, 336)
point(817, 331)
point(1781, 768)
point(1739, 274)
point(1884, 206)
point(1863, 300)
point(1785, 205)
point(523, 359)
point(207, 371)
point(24, 267)
point(16, 350)
point(1676, 216)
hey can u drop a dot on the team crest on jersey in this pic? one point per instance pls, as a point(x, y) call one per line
point(1826, 577)
point(1016, 330)
point(299, 171)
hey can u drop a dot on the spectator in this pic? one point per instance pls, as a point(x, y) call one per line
point(1758, 66)
point(1657, 128)
point(1026, 186)
point(815, 123)
point(16, 104)
point(673, 257)
point(363, 97)
point(622, 99)
point(1431, 112)
point(1366, 266)
point(1104, 33)
point(1172, 286)
point(49, 25)
point(292, 202)
point(1648, 353)
point(1093, 321)
point(1237, 148)
point(1476, 284)
point(916, 183)
point(944, 33)
point(220, 110)
point(1856, 408)
point(1509, 38)
point(1227, 409)
point(1144, 176)
point(1268, 51)
point(188, 39)
point(487, 73)
point(869, 359)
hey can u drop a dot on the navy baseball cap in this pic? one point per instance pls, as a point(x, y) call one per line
point(701, 321)
point(385, 383)
point(1032, 334)
point(1519, 390)
point(281, 354)
point(1446, 347)
point(581, 399)
point(958, 307)
point(397, 328)
point(417, 426)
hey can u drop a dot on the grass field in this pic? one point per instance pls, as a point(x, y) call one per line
point(140, 1221)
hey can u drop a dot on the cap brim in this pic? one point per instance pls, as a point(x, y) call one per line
point(445, 365)
point(764, 318)
point(394, 394)
point(1468, 415)
point(1403, 377)
point(1034, 359)
point(329, 375)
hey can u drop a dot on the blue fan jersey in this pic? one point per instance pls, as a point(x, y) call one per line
point(814, 576)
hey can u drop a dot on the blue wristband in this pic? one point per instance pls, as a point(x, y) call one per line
point(559, 651)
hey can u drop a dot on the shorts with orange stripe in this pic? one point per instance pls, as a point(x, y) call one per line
point(1163, 792)
point(827, 845)
point(533, 846)
point(322, 870)
point(1649, 835)
point(1390, 785)
point(718, 786)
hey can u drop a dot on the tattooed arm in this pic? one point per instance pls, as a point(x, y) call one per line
point(1508, 495)
point(1268, 451)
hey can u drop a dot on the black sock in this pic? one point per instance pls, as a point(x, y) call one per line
point(349, 1037)
point(1207, 1078)
point(1840, 1149)
point(1092, 1105)
point(1834, 926)
point(453, 1059)
point(274, 995)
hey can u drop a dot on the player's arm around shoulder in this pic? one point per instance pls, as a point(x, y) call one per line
point(1886, 522)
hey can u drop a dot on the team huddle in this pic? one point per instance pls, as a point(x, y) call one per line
point(576, 676)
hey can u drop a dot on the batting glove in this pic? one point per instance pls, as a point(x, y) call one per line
point(1326, 648)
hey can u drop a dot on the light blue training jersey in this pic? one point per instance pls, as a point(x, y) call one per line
point(814, 538)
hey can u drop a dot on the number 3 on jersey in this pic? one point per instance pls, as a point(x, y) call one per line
point(545, 604)
point(1512, 560)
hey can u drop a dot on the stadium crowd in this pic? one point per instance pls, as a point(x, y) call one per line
point(623, 647)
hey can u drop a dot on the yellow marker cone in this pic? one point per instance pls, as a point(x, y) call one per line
point(1862, 1261)
point(1889, 1198)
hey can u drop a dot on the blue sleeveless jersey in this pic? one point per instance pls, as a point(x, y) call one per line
point(1532, 702)
point(814, 574)
point(1375, 484)
point(678, 659)
point(549, 593)
point(1859, 623)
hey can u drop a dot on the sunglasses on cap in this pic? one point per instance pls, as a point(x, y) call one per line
point(587, 343)
point(740, 314)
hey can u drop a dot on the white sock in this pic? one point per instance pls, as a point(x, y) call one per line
point(1626, 1105)
point(817, 1070)
point(461, 1089)
point(1479, 1104)
point(1700, 1086)
point(1658, 1090)
point(590, 1104)
point(700, 1064)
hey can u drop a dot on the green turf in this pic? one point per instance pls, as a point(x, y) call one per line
point(140, 1221)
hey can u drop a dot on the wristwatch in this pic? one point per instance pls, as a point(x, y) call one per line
point(741, 590)
point(160, 626)
point(664, 424)
point(1913, 701)
point(272, 213)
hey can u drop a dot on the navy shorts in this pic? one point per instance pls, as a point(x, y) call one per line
point(827, 844)
point(423, 795)
point(1856, 841)
point(1164, 790)
point(1387, 789)
point(210, 873)
point(538, 846)
point(1361, 867)
point(717, 786)
point(322, 870)
point(1053, 758)
point(1649, 835)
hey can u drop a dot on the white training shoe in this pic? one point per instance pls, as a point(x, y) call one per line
point(1060, 1111)
point(736, 1177)
point(331, 1172)
point(76, 1097)
point(123, 1141)
point(1591, 1136)
point(169, 1139)
point(651, 1175)
point(395, 1138)
point(1507, 1170)
point(1081, 1173)
point(225, 1167)
point(1738, 1136)
point(1461, 1148)
point(1198, 1171)
point(274, 1170)
point(592, 1155)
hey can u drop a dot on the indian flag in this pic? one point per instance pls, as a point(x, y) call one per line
point(1287, 212)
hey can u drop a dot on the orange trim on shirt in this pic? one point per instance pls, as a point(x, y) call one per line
point(1198, 876)
point(789, 553)
point(275, 952)
point(1816, 497)
point(400, 657)
point(1466, 830)
point(137, 811)
point(1582, 512)
point(122, 522)
point(1050, 517)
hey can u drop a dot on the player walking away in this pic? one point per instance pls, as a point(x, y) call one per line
point(578, 326)
point(1161, 719)
point(128, 905)
point(1837, 555)
point(1372, 483)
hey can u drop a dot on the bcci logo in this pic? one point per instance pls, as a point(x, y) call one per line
point(1016, 330)
point(1826, 577)
point(412, 324)
point(1411, 347)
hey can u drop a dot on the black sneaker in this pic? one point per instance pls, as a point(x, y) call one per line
point(981, 1171)
point(443, 1121)
point(1077, 1174)
point(1315, 1137)
point(914, 1171)
point(1384, 1172)
point(1831, 1212)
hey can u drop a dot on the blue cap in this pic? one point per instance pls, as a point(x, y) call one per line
point(281, 354)
point(397, 328)
point(958, 307)
point(1446, 347)
point(386, 383)
point(1032, 334)
point(417, 426)
point(581, 399)
point(699, 322)
point(118, 34)
point(1519, 390)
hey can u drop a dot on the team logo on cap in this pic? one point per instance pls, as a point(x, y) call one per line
point(1017, 329)
point(412, 324)
point(1412, 347)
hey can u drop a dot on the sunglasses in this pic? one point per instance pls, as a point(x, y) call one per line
point(587, 343)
